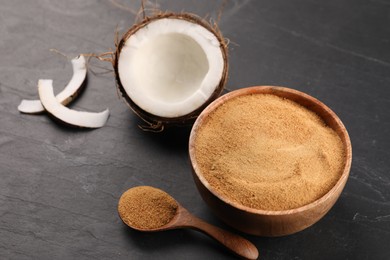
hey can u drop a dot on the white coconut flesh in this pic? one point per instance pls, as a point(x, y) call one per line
point(171, 67)
point(66, 115)
point(67, 94)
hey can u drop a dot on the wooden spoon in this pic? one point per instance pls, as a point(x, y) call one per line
point(184, 219)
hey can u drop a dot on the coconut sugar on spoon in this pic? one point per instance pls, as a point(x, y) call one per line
point(268, 153)
point(145, 207)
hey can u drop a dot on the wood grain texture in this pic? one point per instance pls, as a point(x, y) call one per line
point(235, 243)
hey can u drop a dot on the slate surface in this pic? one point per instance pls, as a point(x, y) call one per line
point(59, 187)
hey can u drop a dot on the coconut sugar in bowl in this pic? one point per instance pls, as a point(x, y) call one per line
point(269, 161)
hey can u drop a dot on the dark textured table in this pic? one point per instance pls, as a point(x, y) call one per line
point(59, 187)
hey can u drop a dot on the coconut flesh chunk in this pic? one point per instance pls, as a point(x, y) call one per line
point(171, 67)
point(66, 115)
point(67, 94)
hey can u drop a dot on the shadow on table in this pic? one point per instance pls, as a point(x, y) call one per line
point(172, 139)
point(180, 239)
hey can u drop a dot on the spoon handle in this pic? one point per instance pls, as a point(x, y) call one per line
point(235, 243)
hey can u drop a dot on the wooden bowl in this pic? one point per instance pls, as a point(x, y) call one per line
point(263, 222)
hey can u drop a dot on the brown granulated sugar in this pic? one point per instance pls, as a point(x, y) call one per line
point(269, 153)
point(145, 207)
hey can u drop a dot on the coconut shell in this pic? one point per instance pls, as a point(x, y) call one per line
point(157, 123)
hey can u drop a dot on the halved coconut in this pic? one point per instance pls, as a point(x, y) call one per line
point(170, 67)
point(71, 90)
point(66, 115)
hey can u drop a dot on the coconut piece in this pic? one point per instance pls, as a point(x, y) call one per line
point(69, 93)
point(66, 115)
point(170, 67)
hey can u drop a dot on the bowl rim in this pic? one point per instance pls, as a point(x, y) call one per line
point(275, 90)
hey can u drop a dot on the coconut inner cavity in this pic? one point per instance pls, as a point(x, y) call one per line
point(170, 67)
